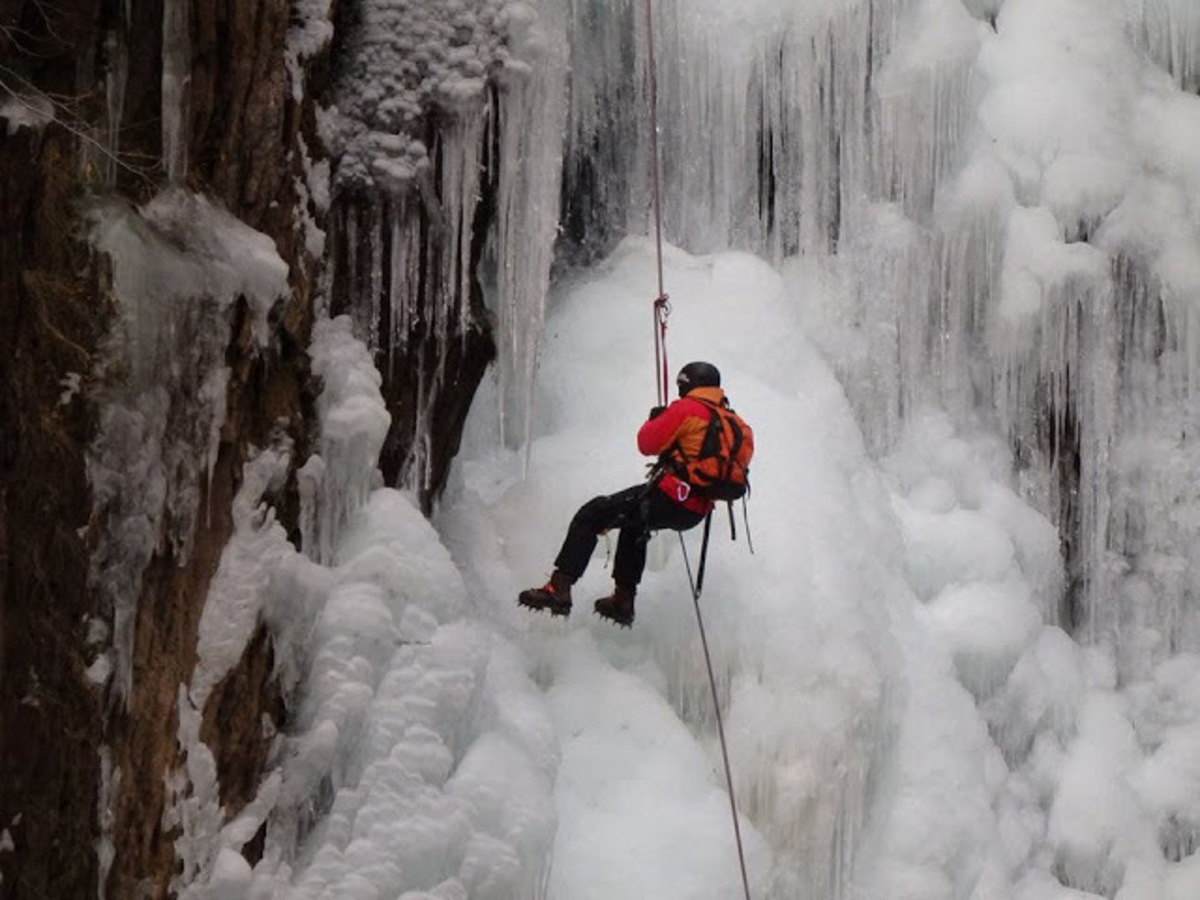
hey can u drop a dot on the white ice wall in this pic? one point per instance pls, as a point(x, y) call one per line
point(1003, 196)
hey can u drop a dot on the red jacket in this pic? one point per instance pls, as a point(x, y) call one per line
point(681, 424)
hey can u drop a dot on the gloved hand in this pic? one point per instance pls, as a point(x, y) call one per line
point(657, 411)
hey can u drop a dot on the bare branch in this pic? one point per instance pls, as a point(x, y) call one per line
point(65, 117)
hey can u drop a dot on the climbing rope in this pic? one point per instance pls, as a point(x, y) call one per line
point(697, 584)
point(662, 308)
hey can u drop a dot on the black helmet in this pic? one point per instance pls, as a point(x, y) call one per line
point(697, 374)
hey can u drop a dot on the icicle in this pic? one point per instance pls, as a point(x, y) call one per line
point(404, 278)
point(459, 192)
point(1169, 30)
point(193, 808)
point(374, 305)
point(1068, 245)
point(353, 424)
point(886, 315)
point(532, 110)
point(176, 87)
point(106, 798)
point(116, 77)
point(351, 256)
point(310, 481)
point(789, 92)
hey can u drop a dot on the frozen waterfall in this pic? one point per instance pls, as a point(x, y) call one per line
point(1006, 194)
point(947, 256)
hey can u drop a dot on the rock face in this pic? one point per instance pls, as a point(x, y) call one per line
point(80, 766)
point(50, 716)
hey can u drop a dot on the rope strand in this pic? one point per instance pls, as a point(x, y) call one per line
point(712, 681)
point(662, 308)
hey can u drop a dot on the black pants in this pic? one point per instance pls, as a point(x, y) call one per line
point(639, 511)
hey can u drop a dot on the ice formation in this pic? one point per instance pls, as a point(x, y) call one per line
point(493, 75)
point(1087, 317)
point(176, 88)
point(958, 196)
point(335, 483)
point(25, 110)
point(178, 266)
point(309, 33)
point(954, 295)
point(1006, 194)
point(418, 761)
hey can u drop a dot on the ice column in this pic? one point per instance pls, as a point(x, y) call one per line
point(767, 130)
point(335, 484)
point(116, 53)
point(176, 88)
point(448, 113)
point(532, 107)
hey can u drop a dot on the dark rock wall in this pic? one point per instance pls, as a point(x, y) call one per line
point(432, 379)
point(243, 132)
point(49, 715)
point(50, 324)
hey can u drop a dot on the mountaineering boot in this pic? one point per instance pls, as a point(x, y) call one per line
point(554, 596)
point(618, 606)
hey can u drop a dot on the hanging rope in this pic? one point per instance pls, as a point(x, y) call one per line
point(662, 308)
point(696, 585)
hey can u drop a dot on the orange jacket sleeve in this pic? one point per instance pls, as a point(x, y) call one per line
point(658, 434)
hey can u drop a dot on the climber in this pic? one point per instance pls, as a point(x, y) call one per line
point(674, 434)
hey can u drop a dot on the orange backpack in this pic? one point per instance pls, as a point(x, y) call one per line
point(721, 471)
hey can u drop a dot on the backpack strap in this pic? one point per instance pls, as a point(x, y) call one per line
point(672, 459)
point(718, 420)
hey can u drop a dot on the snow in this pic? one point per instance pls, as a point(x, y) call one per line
point(30, 109)
point(312, 190)
point(408, 55)
point(71, 383)
point(309, 33)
